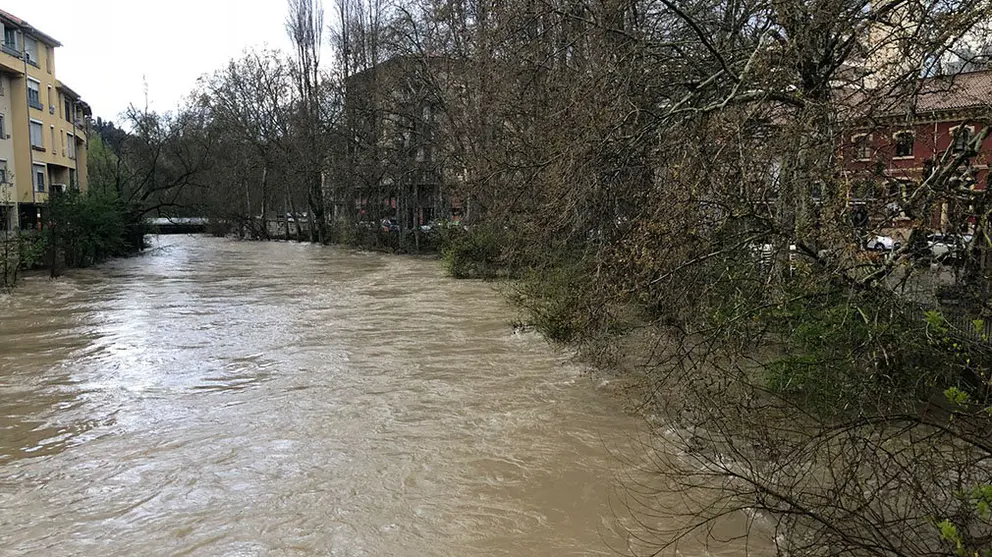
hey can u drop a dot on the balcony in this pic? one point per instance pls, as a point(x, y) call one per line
point(10, 49)
point(36, 104)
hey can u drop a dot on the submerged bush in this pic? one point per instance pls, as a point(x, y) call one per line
point(86, 228)
point(478, 253)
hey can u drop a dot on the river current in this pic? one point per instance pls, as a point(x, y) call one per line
point(214, 397)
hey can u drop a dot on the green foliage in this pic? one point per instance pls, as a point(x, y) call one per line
point(101, 165)
point(982, 496)
point(87, 228)
point(478, 253)
point(31, 248)
point(846, 350)
point(558, 300)
point(19, 251)
point(977, 509)
point(949, 532)
point(957, 397)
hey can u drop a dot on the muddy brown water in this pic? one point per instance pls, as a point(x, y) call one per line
point(222, 398)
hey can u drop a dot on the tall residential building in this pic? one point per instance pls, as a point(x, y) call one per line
point(397, 156)
point(42, 126)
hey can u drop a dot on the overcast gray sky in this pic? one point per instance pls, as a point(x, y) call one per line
point(108, 45)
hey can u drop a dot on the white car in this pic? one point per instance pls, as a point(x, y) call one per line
point(883, 243)
point(944, 246)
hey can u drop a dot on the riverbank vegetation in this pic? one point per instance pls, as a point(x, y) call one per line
point(669, 185)
point(78, 229)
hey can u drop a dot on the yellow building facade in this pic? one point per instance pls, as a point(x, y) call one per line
point(43, 126)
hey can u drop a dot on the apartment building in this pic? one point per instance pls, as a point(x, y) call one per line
point(43, 126)
point(397, 153)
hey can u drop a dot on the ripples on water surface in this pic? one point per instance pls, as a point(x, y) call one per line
point(225, 398)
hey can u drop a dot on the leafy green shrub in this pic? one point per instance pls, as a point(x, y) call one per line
point(844, 350)
point(559, 301)
point(19, 250)
point(31, 248)
point(477, 253)
point(84, 229)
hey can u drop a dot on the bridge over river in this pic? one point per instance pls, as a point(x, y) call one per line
point(179, 225)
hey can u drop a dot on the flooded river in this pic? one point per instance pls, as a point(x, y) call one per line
point(223, 398)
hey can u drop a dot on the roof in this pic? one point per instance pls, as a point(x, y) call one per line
point(954, 92)
point(69, 92)
point(402, 61)
point(25, 26)
point(66, 89)
point(935, 96)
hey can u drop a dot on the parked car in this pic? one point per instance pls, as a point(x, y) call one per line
point(948, 246)
point(435, 225)
point(883, 243)
point(390, 225)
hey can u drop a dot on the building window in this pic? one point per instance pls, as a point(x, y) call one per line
point(72, 179)
point(68, 110)
point(3, 127)
point(48, 59)
point(39, 177)
point(962, 137)
point(904, 144)
point(3, 172)
point(55, 146)
point(10, 40)
point(861, 147)
point(70, 145)
point(51, 100)
point(37, 139)
point(31, 49)
point(894, 189)
point(34, 95)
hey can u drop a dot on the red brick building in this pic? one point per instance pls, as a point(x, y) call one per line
point(889, 156)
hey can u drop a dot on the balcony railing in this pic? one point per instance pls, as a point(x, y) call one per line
point(36, 104)
point(10, 49)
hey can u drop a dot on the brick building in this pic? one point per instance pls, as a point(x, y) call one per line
point(895, 150)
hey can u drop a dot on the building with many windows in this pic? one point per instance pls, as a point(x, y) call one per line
point(42, 126)
point(892, 156)
point(397, 155)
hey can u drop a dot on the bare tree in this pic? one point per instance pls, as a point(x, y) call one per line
point(305, 25)
point(672, 179)
point(251, 101)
